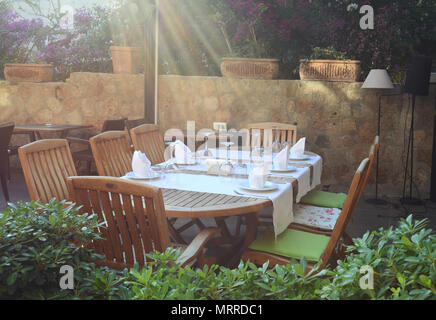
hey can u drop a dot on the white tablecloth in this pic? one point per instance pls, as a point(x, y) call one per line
point(282, 198)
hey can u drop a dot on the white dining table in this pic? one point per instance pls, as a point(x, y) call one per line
point(196, 194)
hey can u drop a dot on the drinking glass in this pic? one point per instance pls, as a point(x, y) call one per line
point(227, 163)
point(206, 152)
point(257, 149)
point(276, 146)
point(171, 165)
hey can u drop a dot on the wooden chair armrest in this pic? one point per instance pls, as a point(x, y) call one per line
point(78, 140)
point(195, 248)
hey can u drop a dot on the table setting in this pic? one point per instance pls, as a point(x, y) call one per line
point(233, 173)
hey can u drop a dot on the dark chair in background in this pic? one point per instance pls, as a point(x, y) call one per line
point(86, 154)
point(6, 131)
point(130, 124)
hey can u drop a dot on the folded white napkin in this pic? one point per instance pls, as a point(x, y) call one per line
point(298, 149)
point(183, 154)
point(281, 160)
point(141, 166)
point(213, 167)
point(257, 177)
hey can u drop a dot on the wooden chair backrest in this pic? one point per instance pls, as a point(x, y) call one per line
point(149, 140)
point(285, 133)
point(46, 165)
point(6, 131)
point(114, 125)
point(130, 124)
point(350, 203)
point(112, 153)
point(133, 217)
point(373, 152)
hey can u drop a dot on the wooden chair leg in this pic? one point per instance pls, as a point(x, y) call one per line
point(4, 184)
point(347, 239)
point(199, 224)
point(238, 226)
point(9, 169)
point(89, 164)
point(175, 235)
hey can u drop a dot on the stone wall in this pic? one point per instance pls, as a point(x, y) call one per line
point(84, 99)
point(339, 119)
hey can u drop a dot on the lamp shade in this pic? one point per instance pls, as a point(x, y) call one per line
point(378, 79)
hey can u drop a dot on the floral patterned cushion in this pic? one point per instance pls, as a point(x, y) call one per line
point(318, 217)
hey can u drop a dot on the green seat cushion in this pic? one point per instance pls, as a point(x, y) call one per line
point(325, 199)
point(292, 244)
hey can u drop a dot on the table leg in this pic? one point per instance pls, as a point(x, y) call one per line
point(226, 236)
point(38, 135)
point(252, 221)
point(64, 134)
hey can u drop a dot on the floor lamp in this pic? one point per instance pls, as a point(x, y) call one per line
point(417, 84)
point(378, 79)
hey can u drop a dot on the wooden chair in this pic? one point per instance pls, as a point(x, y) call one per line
point(86, 154)
point(130, 124)
point(6, 131)
point(285, 133)
point(309, 217)
point(294, 243)
point(113, 158)
point(148, 139)
point(112, 153)
point(337, 200)
point(134, 221)
point(46, 166)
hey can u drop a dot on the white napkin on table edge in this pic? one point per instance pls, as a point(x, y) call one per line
point(281, 160)
point(297, 149)
point(182, 153)
point(141, 165)
point(257, 177)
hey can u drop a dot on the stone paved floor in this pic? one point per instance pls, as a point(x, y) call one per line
point(366, 217)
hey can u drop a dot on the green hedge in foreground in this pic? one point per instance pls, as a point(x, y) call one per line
point(34, 246)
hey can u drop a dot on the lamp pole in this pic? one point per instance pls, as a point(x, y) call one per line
point(150, 65)
point(378, 79)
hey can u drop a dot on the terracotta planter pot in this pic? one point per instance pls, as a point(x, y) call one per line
point(126, 59)
point(330, 70)
point(23, 72)
point(250, 68)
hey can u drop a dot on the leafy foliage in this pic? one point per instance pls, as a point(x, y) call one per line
point(327, 53)
point(35, 241)
point(290, 29)
point(403, 259)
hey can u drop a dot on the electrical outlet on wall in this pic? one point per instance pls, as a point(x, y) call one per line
point(220, 126)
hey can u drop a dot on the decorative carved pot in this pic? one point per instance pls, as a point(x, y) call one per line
point(250, 68)
point(126, 59)
point(24, 72)
point(330, 70)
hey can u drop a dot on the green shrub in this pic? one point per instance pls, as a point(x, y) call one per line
point(403, 260)
point(35, 241)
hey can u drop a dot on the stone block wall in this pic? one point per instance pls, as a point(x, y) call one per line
point(339, 119)
point(84, 99)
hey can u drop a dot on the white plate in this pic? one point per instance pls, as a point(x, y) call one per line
point(301, 158)
point(132, 176)
point(269, 186)
point(193, 163)
point(289, 169)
